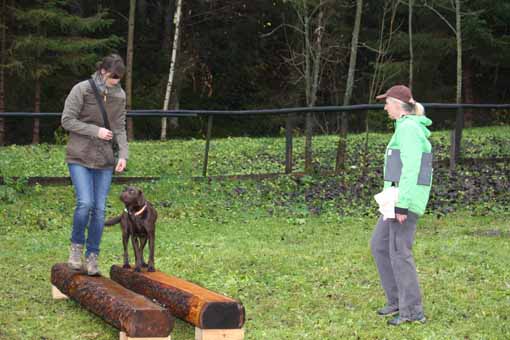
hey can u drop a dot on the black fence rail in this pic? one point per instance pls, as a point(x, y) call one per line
point(455, 140)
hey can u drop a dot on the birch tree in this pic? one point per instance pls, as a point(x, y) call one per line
point(456, 133)
point(171, 73)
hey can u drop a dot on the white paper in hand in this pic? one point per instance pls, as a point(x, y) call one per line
point(387, 200)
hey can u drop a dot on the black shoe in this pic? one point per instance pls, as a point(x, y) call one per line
point(420, 318)
point(388, 310)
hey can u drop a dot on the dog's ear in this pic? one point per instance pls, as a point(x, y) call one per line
point(140, 200)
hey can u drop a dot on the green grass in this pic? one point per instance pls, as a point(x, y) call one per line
point(243, 155)
point(299, 276)
point(294, 251)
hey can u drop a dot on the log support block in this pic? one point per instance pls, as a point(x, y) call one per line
point(198, 306)
point(57, 294)
point(131, 313)
point(123, 336)
point(219, 334)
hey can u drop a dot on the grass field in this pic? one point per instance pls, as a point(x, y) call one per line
point(300, 273)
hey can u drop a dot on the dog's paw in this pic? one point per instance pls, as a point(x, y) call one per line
point(126, 266)
point(151, 269)
point(138, 269)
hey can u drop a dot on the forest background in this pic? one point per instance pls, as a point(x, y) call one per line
point(233, 55)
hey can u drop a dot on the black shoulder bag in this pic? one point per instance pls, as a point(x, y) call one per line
point(115, 145)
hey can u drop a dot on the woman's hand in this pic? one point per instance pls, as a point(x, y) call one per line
point(121, 165)
point(105, 134)
point(401, 218)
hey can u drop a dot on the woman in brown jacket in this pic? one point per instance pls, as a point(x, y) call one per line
point(90, 156)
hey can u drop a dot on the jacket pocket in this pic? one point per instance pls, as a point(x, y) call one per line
point(393, 168)
point(425, 174)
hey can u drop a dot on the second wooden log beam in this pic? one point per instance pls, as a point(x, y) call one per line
point(199, 306)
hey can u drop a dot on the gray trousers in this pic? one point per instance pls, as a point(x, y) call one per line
point(391, 247)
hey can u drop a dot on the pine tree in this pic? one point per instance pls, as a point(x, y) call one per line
point(50, 39)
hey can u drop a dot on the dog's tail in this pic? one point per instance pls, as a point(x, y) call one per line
point(112, 221)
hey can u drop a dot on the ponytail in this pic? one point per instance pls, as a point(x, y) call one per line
point(418, 109)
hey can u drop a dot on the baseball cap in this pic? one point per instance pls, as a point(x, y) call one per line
point(400, 92)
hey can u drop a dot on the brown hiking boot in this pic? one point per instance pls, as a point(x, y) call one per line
point(75, 253)
point(92, 267)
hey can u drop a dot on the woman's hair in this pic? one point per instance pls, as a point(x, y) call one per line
point(112, 63)
point(413, 108)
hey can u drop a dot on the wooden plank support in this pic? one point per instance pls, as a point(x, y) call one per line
point(124, 336)
point(131, 313)
point(219, 334)
point(57, 294)
point(190, 302)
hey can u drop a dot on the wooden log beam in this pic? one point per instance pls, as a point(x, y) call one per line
point(190, 302)
point(132, 313)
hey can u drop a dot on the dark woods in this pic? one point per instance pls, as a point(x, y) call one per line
point(253, 54)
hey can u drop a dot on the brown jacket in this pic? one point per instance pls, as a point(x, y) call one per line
point(82, 118)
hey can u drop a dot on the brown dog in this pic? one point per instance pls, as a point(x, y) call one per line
point(138, 221)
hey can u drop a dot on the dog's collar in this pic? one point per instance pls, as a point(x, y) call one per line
point(139, 212)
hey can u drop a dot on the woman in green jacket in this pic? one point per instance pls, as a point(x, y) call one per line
point(407, 166)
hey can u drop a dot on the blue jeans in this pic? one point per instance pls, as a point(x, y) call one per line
point(91, 187)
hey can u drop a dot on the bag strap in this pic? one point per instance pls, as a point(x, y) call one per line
point(100, 103)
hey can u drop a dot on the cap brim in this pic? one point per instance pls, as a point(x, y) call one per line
point(382, 96)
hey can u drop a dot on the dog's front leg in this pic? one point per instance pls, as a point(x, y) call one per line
point(151, 253)
point(136, 248)
point(125, 241)
point(143, 242)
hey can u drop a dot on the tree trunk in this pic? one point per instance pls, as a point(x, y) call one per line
point(459, 121)
point(342, 141)
point(314, 63)
point(308, 87)
point(3, 37)
point(37, 108)
point(411, 51)
point(129, 68)
point(171, 73)
point(469, 98)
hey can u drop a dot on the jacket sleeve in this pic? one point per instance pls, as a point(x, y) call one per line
point(120, 133)
point(410, 154)
point(72, 107)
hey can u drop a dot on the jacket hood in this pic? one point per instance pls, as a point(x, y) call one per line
point(422, 121)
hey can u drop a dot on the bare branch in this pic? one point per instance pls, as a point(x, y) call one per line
point(440, 16)
point(265, 35)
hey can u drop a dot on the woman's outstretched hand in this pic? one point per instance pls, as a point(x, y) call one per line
point(121, 165)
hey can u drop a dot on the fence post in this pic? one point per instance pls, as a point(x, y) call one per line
point(456, 138)
point(288, 143)
point(207, 143)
